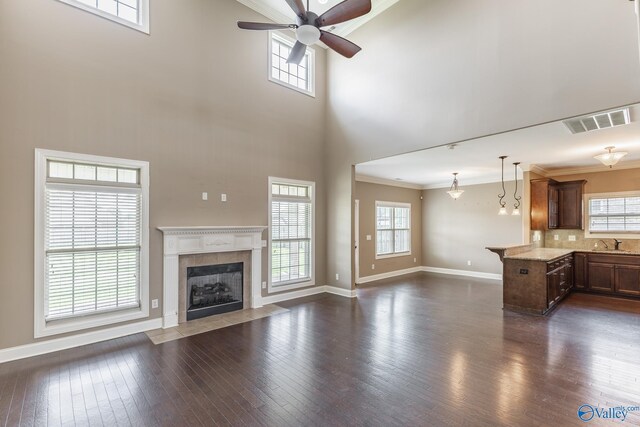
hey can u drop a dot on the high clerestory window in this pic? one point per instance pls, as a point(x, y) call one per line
point(297, 77)
point(132, 13)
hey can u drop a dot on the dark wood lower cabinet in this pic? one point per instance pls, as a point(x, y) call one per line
point(627, 280)
point(580, 271)
point(601, 276)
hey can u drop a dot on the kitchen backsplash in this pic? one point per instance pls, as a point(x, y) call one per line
point(583, 243)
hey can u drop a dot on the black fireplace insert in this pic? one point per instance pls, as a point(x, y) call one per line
point(214, 289)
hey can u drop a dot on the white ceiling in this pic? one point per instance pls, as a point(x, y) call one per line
point(549, 148)
point(280, 12)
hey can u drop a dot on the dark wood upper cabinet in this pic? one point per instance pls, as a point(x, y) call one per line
point(556, 205)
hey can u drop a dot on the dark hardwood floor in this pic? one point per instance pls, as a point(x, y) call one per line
point(421, 350)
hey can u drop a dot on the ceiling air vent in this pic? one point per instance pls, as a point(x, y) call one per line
point(598, 121)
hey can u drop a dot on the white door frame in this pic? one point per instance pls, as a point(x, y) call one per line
point(356, 244)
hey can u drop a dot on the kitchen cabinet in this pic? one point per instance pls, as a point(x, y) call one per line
point(556, 205)
point(580, 270)
point(559, 279)
point(610, 273)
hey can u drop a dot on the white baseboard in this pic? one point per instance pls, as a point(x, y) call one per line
point(349, 293)
point(170, 321)
point(57, 344)
point(388, 275)
point(466, 273)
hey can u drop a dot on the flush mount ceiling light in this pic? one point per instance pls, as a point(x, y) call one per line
point(322, 1)
point(455, 192)
point(610, 158)
point(503, 204)
point(516, 206)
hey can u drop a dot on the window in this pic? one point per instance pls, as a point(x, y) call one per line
point(91, 241)
point(291, 225)
point(616, 213)
point(393, 229)
point(297, 77)
point(132, 13)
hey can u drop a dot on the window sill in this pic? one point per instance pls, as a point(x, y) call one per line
point(290, 286)
point(396, 255)
point(62, 326)
point(610, 235)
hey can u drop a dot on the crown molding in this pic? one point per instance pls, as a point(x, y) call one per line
point(390, 182)
point(589, 169)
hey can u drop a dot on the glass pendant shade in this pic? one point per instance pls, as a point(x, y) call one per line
point(516, 212)
point(455, 192)
point(610, 158)
point(502, 211)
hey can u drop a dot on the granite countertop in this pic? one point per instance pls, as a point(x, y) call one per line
point(541, 254)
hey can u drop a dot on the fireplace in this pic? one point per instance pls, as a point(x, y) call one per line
point(214, 289)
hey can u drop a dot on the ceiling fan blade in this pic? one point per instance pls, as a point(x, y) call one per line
point(298, 7)
point(264, 26)
point(297, 53)
point(343, 46)
point(345, 11)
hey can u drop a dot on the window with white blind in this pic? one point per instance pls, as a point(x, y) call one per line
point(91, 257)
point(132, 13)
point(291, 233)
point(393, 229)
point(299, 77)
point(617, 213)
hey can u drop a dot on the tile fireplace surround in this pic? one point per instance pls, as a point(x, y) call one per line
point(207, 240)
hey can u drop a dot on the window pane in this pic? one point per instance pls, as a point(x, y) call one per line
point(401, 218)
point(107, 174)
point(401, 241)
point(109, 6)
point(84, 172)
point(128, 176)
point(128, 13)
point(383, 217)
point(384, 243)
point(60, 170)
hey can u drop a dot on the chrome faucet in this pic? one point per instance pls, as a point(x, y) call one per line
point(617, 243)
point(604, 243)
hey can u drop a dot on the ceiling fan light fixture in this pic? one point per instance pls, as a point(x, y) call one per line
point(308, 34)
point(610, 158)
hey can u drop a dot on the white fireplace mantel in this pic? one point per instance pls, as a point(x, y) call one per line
point(202, 240)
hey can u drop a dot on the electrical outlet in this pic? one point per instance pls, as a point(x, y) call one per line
point(415, 260)
point(337, 276)
point(572, 238)
point(373, 266)
point(205, 196)
point(223, 197)
point(264, 285)
point(469, 262)
point(154, 303)
point(556, 237)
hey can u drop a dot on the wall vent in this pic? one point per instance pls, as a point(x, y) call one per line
point(597, 121)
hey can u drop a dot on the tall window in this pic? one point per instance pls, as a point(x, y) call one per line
point(132, 13)
point(298, 77)
point(614, 214)
point(93, 239)
point(291, 226)
point(393, 229)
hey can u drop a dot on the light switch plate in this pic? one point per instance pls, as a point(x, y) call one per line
point(572, 238)
point(223, 197)
point(368, 236)
point(205, 196)
point(556, 237)
point(264, 285)
point(154, 303)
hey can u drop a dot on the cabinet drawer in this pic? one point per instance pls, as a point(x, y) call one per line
point(615, 259)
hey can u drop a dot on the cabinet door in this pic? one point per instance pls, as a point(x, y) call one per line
point(627, 280)
point(568, 275)
point(570, 206)
point(580, 271)
point(601, 276)
point(553, 207)
point(553, 287)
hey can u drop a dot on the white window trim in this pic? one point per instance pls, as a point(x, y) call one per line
point(311, 66)
point(607, 234)
point(312, 280)
point(143, 26)
point(43, 328)
point(375, 222)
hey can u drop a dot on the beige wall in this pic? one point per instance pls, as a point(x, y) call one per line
point(455, 69)
point(192, 98)
point(457, 231)
point(368, 194)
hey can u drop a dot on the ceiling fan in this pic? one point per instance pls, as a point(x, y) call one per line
point(308, 27)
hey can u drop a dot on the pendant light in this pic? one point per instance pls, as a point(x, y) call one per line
point(503, 204)
point(455, 192)
point(516, 206)
point(610, 158)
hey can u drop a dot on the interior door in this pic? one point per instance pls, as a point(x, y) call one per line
point(356, 243)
